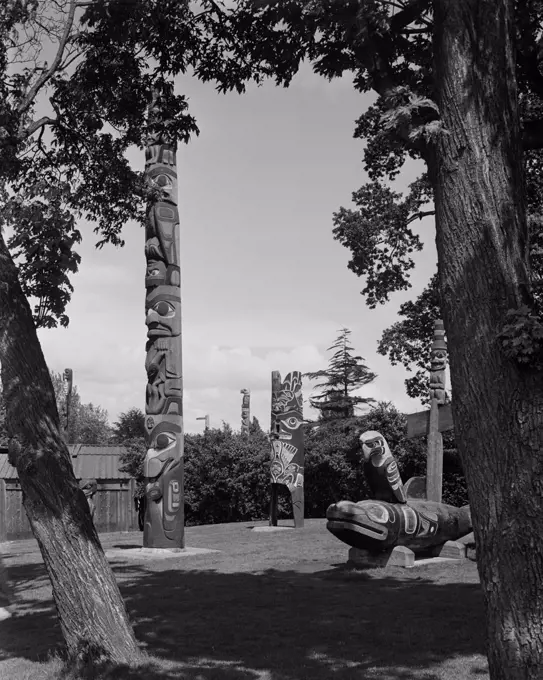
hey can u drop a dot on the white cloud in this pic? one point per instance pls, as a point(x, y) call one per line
point(265, 287)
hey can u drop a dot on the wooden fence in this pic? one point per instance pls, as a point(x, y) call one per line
point(114, 502)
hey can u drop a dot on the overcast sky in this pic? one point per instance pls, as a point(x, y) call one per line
point(264, 285)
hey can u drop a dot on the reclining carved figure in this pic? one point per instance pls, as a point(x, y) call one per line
point(392, 517)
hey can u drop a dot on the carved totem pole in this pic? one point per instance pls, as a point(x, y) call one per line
point(287, 443)
point(69, 378)
point(434, 461)
point(163, 467)
point(245, 411)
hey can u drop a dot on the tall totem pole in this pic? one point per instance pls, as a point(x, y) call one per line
point(163, 466)
point(434, 461)
point(287, 444)
point(245, 411)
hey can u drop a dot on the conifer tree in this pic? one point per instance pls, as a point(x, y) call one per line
point(345, 374)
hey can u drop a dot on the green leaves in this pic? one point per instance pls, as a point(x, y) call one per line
point(522, 337)
point(42, 243)
point(408, 341)
point(379, 238)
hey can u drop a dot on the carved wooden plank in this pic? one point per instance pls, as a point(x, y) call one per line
point(287, 443)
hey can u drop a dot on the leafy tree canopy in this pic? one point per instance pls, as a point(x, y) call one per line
point(387, 46)
point(131, 425)
point(76, 80)
point(87, 423)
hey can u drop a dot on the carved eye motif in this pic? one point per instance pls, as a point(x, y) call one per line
point(378, 513)
point(164, 309)
point(164, 439)
point(292, 422)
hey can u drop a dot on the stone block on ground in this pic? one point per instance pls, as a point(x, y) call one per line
point(468, 539)
point(452, 549)
point(398, 557)
point(401, 557)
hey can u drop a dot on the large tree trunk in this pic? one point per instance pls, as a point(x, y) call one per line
point(483, 271)
point(90, 608)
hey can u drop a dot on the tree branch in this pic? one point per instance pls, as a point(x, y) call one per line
point(420, 215)
point(47, 75)
point(415, 31)
point(408, 15)
point(41, 123)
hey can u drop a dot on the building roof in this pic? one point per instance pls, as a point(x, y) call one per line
point(98, 462)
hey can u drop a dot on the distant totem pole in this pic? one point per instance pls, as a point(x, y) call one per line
point(438, 365)
point(245, 411)
point(287, 444)
point(69, 378)
point(163, 466)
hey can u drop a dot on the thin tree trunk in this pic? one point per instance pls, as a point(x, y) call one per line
point(481, 242)
point(90, 608)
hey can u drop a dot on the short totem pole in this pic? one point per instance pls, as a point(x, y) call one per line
point(434, 461)
point(245, 411)
point(68, 376)
point(287, 444)
point(432, 423)
point(163, 466)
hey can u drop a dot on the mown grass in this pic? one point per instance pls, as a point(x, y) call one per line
point(280, 606)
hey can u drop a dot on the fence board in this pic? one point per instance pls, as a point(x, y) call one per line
point(114, 509)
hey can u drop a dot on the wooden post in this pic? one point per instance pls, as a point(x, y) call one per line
point(435, 421)
point(3, 511)
point(434, 463)
point(275, 388)
point(163, 467)
point(69, 378)
point(434, 456)
point(287, 443)
point(245, 411)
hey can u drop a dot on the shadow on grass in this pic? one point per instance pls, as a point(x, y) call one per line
point(276, 625)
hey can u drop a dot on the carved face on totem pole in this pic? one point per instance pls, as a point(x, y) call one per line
point(163, 473)
point(163, 468)
point(438, 363)
point(287, 460)
point(380, 469)
point(68, 376)
point(245, 410)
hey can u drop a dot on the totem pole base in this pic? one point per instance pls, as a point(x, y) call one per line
point(273, 504)
point(156, 553)
point(297, 500)
point(271, 529)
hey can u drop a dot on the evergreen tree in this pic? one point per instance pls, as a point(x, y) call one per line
point(345, 374)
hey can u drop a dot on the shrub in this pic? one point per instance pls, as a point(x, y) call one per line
point(227, 474)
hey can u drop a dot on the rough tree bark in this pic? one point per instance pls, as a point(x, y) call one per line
point(92, 614)
point(483, 271)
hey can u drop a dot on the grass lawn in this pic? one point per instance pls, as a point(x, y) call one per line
point(269, 606)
